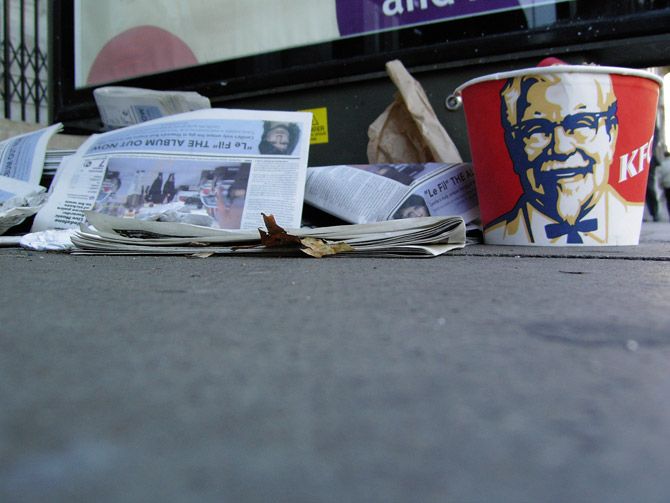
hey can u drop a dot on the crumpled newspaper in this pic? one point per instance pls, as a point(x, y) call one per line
point(50, 240)
point(18, 201)
point(408, 131)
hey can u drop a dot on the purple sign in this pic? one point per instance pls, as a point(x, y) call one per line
point(355, 17)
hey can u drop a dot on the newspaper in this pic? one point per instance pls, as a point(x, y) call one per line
point(52, 161)
point(21, 166)
point(414, 237)
point(124, 106)
point(22, 157)
point(217, 168)
point(377, 192)
point(18, 200)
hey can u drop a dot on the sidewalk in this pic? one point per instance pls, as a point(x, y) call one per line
point(505, 374)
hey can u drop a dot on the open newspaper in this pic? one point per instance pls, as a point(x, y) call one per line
point(217, 168)
point(418, 237)
point(378, 192)
point(21, 165)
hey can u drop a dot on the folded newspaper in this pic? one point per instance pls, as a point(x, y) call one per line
point(124, 106)
point(218, 168)
point(413, 237)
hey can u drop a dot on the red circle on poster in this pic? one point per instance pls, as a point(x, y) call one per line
point(140, 51)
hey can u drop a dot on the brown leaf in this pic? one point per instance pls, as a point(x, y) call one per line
point(276, 236)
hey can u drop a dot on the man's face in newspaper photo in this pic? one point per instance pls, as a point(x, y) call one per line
point(561, 138)
point(414, 212)
point(414, 207)
point(279, 137)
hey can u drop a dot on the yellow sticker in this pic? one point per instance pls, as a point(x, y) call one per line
point(319, 125)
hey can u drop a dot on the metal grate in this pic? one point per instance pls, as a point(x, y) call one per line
point(24, 60)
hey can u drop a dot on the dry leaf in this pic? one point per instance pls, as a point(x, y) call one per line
point(275, 236)
point(319, 248)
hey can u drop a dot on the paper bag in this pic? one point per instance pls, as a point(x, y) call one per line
point(408, 131)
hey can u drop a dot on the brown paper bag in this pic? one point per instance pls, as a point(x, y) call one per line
point(408, 131)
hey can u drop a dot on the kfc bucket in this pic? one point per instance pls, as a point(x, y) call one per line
point(561, 153)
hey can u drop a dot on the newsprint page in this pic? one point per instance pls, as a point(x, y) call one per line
point(220, 168)
point(377, 192)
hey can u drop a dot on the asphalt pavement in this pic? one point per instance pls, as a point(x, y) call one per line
point(501, 374)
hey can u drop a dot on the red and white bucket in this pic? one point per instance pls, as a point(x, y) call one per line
point(561, 153)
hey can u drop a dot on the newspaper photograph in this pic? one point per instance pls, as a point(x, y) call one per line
point(378, 192)
point(219, 168)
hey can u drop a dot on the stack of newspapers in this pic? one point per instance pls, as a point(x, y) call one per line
point(52, 160)
point(424, 236)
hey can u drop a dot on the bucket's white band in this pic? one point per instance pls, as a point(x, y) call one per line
point(542, 70)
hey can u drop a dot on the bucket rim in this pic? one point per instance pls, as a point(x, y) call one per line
point(543, 70)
